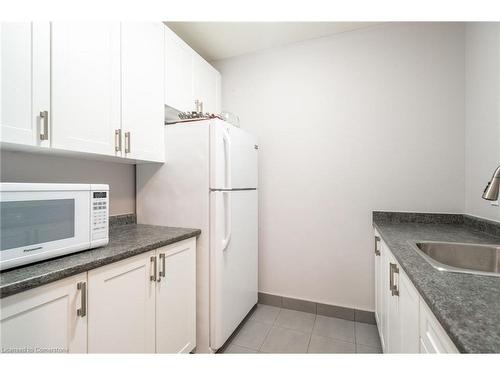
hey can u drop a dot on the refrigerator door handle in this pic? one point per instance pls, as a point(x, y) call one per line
point(227, 158)
point(227, 220)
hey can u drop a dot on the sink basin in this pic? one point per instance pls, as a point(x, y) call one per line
point(461, 257)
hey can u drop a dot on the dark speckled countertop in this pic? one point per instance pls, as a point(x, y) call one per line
point(124, 241)
point(467, 306)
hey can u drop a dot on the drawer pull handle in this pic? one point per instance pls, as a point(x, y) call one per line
point(393, 269)
point(153, 276)
point(44, 117)
point(127, 142)
point(82, 287)
point(162, 271)
point(118, 140)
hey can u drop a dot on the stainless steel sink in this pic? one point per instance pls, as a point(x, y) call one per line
point(461, 257)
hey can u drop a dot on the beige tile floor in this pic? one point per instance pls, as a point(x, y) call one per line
point(276, 330)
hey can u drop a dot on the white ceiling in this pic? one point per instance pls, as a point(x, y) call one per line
point(220, 40)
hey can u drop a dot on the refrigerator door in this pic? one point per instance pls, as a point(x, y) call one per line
point(234, 258)
point(233, 154)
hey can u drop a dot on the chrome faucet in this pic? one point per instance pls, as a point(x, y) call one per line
point(491, 190)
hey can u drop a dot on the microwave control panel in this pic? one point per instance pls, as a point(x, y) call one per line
point(100, 213)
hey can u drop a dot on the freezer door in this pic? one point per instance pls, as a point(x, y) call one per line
point(234, 257)
point(233, 157)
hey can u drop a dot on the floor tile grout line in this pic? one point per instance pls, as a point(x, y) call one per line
point(355, 338)
point(339, 339)
point(268, 332)
point(311, 334)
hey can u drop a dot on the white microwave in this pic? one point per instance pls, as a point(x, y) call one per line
point(41, 221)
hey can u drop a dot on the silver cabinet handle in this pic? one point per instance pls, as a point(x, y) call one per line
point(377, 241)
point(82, 287)
point(118, 140)
point(390, 277)
point(393, 269)
point(163, 266)
point(127, 142)
point(44, 117)
point(153, 276)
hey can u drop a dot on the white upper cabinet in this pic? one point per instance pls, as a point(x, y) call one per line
point(24, 81)
point(206, 85)
point(85, 86)
point(90, 88)
point(178, 73)
point(189, 77)
point(143, 90)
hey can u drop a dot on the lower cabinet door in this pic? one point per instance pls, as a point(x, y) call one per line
point(121, 300)
point(48, 319)
point(378, 285)
point(433, 338)
point(384, 295)
point(409, 301)
point(176, 298)
point(393, 340)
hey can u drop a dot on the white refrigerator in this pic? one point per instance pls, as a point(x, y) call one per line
point(209, 181)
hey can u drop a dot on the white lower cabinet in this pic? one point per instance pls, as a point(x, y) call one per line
point(405, 323)
point(393, 331)
point(433, 338)
point(142, 304)
point(176, 298)
point(409, 301)
point(380, 285)
point(48, 319)
point(122, 306)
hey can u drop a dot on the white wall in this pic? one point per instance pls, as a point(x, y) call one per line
point(24, 167)
point(482, 125)
point(365, 120)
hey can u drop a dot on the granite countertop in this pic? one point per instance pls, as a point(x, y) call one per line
point(124, 241)
point(466, 305)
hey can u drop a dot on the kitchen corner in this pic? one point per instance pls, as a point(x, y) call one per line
point(466, 305)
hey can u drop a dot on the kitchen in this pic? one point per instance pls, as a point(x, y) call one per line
point(191, 187)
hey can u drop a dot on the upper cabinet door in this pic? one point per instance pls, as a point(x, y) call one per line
point(24, 80)
point(143, 90)
point(178, 73)
point(85, 86)
point(206, 85)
